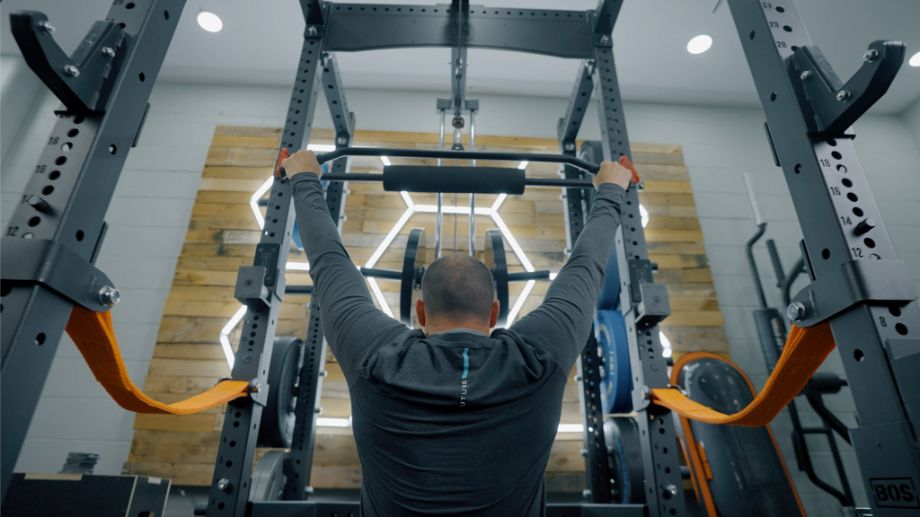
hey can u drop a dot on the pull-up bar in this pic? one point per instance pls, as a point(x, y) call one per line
point(458, 155)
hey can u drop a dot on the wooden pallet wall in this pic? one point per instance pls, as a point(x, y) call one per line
point(223, 232)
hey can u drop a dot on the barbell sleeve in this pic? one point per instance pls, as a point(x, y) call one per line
point(542, 274)
point(381, 273)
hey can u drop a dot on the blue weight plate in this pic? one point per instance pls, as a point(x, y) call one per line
point(609, 298)
point(616, 381)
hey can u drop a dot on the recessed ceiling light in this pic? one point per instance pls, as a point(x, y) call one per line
point(915, 59)
point(210, 21)
point(699, 44)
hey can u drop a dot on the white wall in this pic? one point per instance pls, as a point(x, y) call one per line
point(18, 90)
point(153, 202)
point(911, 118)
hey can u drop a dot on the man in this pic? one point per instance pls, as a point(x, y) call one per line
point(454, 418)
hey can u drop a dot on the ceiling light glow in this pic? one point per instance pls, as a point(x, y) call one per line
point(571, 428)
point(915, 60)
point(666, 350)
point(210, 21)
point(699, 44)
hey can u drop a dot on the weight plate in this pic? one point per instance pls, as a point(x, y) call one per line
point(498, 264)
point(277, 427)
point(413, 261)
point(268, 477)
point(616, 379)
point(624, 455)
point(609, 298)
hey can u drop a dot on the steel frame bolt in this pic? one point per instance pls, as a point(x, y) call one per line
point(45, 26)
point(224, 485)
point(108, 51)
point(312, 30)
point(38, 204)
point(646, 393)
point(806, 75)
point(71, 70)
point(109, 296)
point(569, 146)
point(605, 39)
point(796, 311)
point(341, 140)
point(255, 387)
point(870, 55)
point(586, 493)
point(843, 95)
point(671, 489)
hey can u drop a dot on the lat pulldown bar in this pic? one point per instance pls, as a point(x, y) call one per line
point(457, 155)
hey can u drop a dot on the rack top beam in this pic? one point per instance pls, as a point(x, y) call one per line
point(355, 27)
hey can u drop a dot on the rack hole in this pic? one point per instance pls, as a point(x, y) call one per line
point(129, 5)
point(752, 34)
point(165, 15)
point(846, 182)
point(34, 221)
point(60, 160)
point(787, 28)
point(895, 311)
point(47, 190)
point(53, 175)
point(869, 242)
point(772, 96)
point(852, 197)
point(831, 142)
point(841, 168)
point(836, 155)
point(113, 149)
point(142, 77)
point(73, 132)
point(80, 235)
point(858, 355)
point(780, 9)
point(78, 119)
point(40, 338)
point(798, 168)
point(901, 329)
point(825, 253)
point(858, 212)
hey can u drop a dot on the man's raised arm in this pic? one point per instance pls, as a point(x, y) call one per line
point(560, 325)
point(351, 322)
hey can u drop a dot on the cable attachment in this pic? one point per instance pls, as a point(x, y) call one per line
point(832, 106)
point(82, 81)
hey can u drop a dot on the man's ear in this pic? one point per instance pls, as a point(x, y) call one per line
point(420, 312)
point(493, 313)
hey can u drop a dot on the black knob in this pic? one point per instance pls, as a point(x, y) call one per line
point(864, 226)
point(38, 204)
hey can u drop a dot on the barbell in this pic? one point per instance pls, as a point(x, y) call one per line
point(413, 269)
point(449, 179)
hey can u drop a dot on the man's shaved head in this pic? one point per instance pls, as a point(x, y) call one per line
point(458, 287)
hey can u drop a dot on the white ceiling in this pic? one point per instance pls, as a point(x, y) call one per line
point(259, 45)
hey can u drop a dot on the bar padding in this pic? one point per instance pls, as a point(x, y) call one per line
point(453, 179)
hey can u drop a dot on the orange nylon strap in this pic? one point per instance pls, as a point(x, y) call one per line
point(805, 350)
point(94, 335)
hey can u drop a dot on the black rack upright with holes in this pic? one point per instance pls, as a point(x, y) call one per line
point(54, 234)
point(858, 284)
